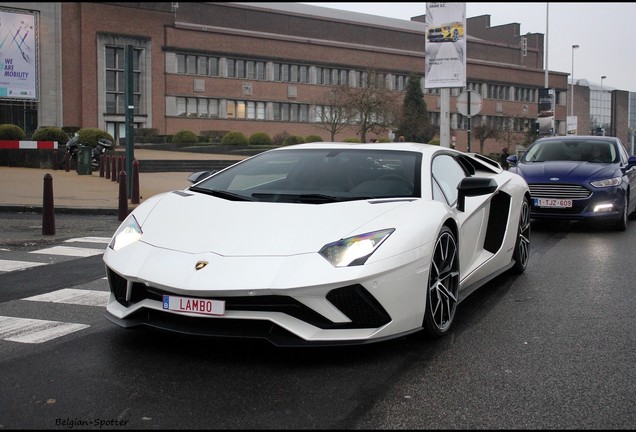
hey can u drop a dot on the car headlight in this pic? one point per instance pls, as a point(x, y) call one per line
point(128, 233)
point(354, 250)
point(616, 181)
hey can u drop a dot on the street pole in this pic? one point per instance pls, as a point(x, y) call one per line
point(572, 78)
point(130, 111)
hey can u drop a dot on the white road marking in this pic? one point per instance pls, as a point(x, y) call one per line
point(73, 296)
point(104, 240)
point(26, 330)
point(69, 251)
point(7, 265)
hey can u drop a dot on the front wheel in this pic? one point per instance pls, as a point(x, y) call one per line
point(621, 223)
point(443, 285)
point(521, 254)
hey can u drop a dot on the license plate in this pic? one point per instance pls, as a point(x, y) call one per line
point(194, 305)
point(553, 202)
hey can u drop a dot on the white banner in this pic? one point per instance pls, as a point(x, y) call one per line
point(18, 78)
point(445, 61)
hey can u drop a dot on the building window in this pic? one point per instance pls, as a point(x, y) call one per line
point(116, 80)
point(214, 66)
point(260, 70)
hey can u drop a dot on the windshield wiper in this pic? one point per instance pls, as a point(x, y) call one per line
point(221, 194)
point(298, 198)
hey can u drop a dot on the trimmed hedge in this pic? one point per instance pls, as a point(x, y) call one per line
point(234, 139)
point(50, 134)
point(11, 132)
point(185, 137)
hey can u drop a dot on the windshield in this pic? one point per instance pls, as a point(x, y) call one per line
point(585, 150)
point(318, 176)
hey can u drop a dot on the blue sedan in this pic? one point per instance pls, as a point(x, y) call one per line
point(579, 177)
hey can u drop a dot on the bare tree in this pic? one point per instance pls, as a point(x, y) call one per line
point(333, 111)
point(508, 133)
point(375, 108)
point(483, 131)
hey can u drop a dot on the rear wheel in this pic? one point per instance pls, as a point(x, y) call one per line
point(443, 285)
point(521, 254)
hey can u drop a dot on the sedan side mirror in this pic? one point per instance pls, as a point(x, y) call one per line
point(512, 160)
point(474, 186)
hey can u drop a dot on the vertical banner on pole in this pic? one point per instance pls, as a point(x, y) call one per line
point(546, 111)
point(445, 53)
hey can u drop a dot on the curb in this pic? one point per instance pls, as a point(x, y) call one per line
point(59, 210)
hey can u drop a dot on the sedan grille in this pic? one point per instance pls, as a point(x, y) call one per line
point(562, 191)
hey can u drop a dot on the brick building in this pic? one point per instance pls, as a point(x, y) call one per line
point(265, 67)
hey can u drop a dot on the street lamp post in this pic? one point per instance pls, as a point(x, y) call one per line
point(602, 102)
point(572, 88)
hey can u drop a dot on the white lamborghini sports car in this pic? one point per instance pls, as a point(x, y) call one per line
point(321, 244)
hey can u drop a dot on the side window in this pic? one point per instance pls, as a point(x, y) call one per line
point(447, 174)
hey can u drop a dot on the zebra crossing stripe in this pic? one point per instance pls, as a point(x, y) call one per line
point(7, 265)
point(69, 251)
point(104, 240)
point(73, 296)
point(27, 330)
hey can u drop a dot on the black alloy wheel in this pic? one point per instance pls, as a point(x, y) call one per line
point(443, 285)
point(521, 254)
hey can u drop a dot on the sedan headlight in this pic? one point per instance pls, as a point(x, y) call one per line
point(616, 181)
point(354, 250)
point(128, 233)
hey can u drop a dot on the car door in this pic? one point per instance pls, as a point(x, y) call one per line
point(630, 174)
point(447, 173)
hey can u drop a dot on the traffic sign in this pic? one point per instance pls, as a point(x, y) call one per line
point(475, 103)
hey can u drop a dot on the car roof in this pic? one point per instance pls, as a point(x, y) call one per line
point(579, 138)
point(391, 146)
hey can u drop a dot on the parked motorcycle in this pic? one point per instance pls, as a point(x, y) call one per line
point(72, 146)
point(102, 146)
point(72, 149)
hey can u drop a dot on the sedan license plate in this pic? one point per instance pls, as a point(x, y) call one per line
point(553, 202)
point(194, 305)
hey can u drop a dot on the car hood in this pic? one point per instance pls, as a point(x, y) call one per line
point(565, 171)
point(194, 223)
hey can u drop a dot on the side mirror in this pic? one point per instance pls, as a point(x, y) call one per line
point(474, 186)
point(196, 177)
point(512, 160)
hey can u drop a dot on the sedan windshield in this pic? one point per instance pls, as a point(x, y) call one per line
point(585, 150)
point(318, 176)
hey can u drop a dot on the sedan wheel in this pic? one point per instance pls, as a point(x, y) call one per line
point(443, 285)
point(521, 254)
point(621, 224)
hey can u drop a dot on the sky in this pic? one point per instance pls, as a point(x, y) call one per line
point(604, 32)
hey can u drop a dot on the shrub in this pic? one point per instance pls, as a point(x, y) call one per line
point(434, 142)
point(11, 132)
point(50, 134)
point(352, 140)
point(70, 130)
point(234, 139)
point(293, 139)
point(185, 137)
point(279, 138)
point(146, 132)
point(260, 138)
point(90, 136)
point(214, 136)
point(313, 138)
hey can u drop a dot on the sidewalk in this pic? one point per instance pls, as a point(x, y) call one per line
point(23, 188)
